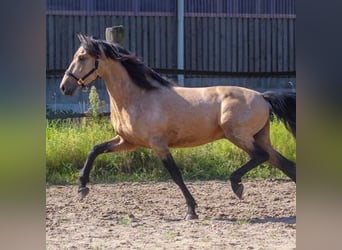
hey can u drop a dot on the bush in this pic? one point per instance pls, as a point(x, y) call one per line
point(94, 102)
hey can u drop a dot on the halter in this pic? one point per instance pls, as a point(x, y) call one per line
point(80, 81)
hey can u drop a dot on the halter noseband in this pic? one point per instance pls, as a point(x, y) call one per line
point(80, 81)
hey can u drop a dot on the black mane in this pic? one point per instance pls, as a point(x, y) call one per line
point(137, 70)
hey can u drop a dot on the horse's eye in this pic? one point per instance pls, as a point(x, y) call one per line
point(81, 58)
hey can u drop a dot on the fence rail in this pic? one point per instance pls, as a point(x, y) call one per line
point(139, 7)
point(60, 72)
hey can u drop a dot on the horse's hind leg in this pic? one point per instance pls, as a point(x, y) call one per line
point(258, 156)
point(276, 159)
point(286, 166)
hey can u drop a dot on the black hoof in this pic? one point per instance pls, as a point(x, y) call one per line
point(191, 217)
point(83, 191)
point(238, 189)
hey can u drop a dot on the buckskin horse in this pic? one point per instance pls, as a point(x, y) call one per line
point(150, 111)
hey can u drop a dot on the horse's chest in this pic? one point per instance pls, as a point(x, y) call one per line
point(120, 125)
point(135, 125)
point(123, 123)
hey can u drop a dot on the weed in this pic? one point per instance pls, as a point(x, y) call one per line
point(242, 221)
point(205, 239)
point(170, 235)
point(124, 221)
point(205, 222)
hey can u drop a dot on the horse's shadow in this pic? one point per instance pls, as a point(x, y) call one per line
point(291, 220)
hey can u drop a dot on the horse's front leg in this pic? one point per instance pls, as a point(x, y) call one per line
point(114, 145)
point(164, 154)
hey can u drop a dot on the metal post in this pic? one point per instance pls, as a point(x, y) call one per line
point(180, 41)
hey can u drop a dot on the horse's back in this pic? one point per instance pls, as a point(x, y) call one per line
point(215, 93)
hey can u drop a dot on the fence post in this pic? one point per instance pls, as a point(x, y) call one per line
point(116, 34)
point(180, 40)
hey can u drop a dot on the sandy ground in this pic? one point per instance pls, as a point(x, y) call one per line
point(150, 216)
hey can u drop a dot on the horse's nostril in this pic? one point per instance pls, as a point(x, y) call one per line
point(66, 89)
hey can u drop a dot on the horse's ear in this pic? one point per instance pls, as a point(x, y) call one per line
point(81, 37)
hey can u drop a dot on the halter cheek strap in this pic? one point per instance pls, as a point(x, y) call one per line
point(80, 81)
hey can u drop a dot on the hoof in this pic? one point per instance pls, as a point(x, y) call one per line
point(238, 189)
point(83, 191)
point(191, 217)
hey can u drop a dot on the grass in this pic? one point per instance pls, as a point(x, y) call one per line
point(68, 143)
point(205, 239)
point(242, 221)
point(124, 221)
point(171, 236)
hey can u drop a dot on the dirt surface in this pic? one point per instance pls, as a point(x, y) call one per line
point(150, 216)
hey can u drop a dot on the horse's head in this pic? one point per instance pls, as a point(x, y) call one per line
point(82, 70)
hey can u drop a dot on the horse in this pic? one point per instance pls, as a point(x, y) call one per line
point(147, 110)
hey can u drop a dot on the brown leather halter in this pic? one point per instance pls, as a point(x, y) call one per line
point(80, 81)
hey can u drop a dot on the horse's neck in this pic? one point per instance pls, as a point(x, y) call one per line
point(122, 91)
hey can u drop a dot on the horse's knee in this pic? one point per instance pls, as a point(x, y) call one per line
point(99, 149)
point(262, 155)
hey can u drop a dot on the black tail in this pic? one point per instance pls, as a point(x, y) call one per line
point(284, 107)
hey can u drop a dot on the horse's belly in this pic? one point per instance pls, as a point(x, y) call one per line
point(194, 139)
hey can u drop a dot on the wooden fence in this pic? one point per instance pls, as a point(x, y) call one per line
point(248, 43)
point(220, 42)
point(238, 44)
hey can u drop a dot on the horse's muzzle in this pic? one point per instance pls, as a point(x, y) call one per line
point(68, 87)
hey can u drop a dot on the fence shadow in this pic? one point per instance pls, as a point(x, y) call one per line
point(291, 220)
